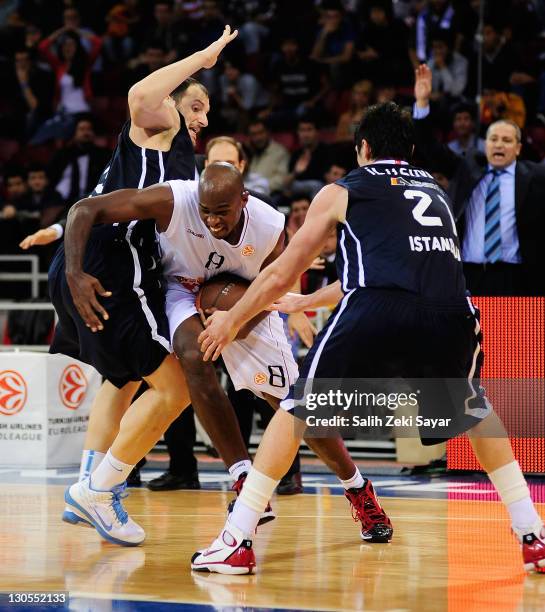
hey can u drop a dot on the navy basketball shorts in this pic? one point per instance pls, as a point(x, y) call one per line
point(389, 334)
point(135, 338)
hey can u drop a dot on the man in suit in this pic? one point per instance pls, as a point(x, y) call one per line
point(76, 169)
point(498, 203)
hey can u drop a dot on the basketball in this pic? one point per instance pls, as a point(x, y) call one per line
point(221, 292)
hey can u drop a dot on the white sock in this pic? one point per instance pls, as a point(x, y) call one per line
point(90, 460)
point(240, 468)
point(513, 490)
point(253, 499)
point(109, 473)
point(356, 482)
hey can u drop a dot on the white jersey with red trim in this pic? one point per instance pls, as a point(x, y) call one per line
point(192, 255)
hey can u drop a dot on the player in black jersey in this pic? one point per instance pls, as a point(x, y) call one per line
point(154, 146)
point(402, 312)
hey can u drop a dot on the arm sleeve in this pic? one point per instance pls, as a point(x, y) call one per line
point(434, 153)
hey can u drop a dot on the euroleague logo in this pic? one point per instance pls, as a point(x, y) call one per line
point(260, 378)
point(72, 386)
point(248, 250)
point(13, 392)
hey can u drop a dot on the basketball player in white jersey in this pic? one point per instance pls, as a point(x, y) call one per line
point(206, 228)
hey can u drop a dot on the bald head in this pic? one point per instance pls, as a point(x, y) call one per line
point(221, 200)
point(219, 182)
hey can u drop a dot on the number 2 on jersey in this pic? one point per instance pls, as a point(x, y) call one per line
point(424, 202)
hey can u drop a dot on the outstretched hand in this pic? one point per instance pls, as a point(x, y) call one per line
point(84, 289)
point(218, 333)
point(212, 52)
point(422, 84)
point(43, 236)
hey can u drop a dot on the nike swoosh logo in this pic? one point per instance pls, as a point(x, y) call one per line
point(210, 552)
point(117, 469)
point(106, 527)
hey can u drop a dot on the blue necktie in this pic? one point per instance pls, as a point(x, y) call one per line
point(492, 229)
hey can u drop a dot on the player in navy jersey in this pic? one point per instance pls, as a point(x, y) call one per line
point(167, 111)
point(402, 312)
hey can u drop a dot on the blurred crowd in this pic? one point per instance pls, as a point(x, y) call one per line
point(291, 88)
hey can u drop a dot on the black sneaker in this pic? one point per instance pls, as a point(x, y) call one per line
point(290, 485)
point(174, 482)
point(134, 479)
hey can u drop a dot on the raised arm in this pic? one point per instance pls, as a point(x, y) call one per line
point(327, 209)
point(147, 97)
point(155, 202)
point(433, 151)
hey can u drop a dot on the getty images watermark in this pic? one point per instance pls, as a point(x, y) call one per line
point(424, 408)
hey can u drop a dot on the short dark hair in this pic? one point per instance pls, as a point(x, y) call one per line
point(14, 172)
point(298, 196)
point(388, 130)
point(464, 107)
point(180, 91)
point(35, 167)
point(309, 118)
point(257, 121)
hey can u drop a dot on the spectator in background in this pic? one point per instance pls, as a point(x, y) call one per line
point(297, 85)
point(499, 59)
point(361, 96)
point(117, 44)
point(309, 163)
point(227, 149)
point(241, 93)
point(267, 158)
point(14, 221)
point(448, 68)
point(251, 18)
point(76, 168)
point(382, 46)
point(72, 23)
point(31, 95)
point(465, 141)
point(334, 45)
point(16, 190)
point(336, 171)
point(497, 105)
point(165, 29)
point(152, 58)
point(435, 15)
point(300, 203)
point(323, 270)
point(42, 197)
point(498, 204)
point(72, 66)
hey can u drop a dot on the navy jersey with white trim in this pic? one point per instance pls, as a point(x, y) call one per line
point(132, 166)
point(399, 233)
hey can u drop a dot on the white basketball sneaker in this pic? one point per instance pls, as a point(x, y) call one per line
point(104, 510)
point(230, 553)
point(72, 517)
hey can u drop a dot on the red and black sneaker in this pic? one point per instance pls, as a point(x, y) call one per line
point(375, 524)
point(266, 517)
point(533, 549)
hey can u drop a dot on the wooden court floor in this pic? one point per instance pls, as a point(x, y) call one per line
point(446, 555)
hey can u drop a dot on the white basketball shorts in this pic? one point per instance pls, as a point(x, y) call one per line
point(262, 362)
